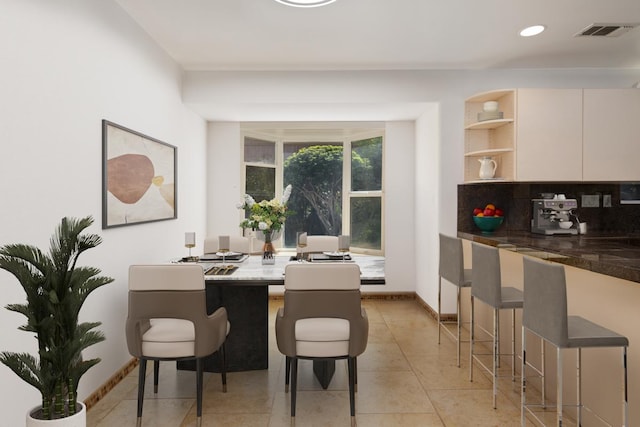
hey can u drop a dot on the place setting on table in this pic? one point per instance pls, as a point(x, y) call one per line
point(220, 263)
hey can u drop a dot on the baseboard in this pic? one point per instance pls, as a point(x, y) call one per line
point(444, 317)
point(105, 388)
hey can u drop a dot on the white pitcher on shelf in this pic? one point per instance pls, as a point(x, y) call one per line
point(487, 167)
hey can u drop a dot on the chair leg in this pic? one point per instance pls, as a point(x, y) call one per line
point(439, 305)
point(355, 373)
point(513, 345)
point(496, 355)
point(523, 379)
point(156, 375)
point(459, 312)
point(294, 384)
point(142, 372)
point(579, 384)
point(471, 337)
point(625, 399)
point(222, 354)
point(287, 370)
point(352, 395)
point(199, 374)
point(559, 387)
point(543, 380)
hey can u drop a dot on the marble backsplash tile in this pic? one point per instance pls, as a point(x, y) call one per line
point(515, 199)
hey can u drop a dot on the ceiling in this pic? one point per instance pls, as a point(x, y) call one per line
point(387, 34)
point(252, 35)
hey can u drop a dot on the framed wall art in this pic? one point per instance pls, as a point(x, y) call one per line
point(138, 177)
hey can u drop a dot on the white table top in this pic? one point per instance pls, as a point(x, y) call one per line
point(252, 269)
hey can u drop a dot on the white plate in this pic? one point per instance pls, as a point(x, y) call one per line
point(336, 254)
point(226, 254)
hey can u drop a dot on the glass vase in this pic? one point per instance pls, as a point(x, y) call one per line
point(268, 251)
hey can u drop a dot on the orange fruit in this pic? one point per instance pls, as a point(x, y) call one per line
point(490, 206)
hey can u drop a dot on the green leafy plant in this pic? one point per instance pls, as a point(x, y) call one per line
point(56, 288)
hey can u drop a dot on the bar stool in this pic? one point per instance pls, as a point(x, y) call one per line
point(545, 314)
point(487, 287)
point(452, 269)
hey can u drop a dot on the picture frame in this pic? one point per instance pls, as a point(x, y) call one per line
point(139, 178)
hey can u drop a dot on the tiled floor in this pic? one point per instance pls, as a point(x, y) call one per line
point(404, 379)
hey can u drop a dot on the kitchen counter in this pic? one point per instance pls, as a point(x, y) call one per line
point(609, 254)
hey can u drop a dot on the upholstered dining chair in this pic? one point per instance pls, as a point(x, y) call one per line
point(168, 320)
point(321, 243)
point(236, 244)
point(322, 319)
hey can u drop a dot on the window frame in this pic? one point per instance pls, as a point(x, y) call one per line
point(341, 137)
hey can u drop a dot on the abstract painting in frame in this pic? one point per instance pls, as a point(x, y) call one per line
point(138, 177)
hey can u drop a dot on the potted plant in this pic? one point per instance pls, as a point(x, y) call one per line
point(56, 289)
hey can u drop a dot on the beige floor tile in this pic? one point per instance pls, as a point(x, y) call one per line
point(313, 408)
point(474, 408)
point(383, 357)
point(228, 420)
point(439, 371)
point(391, 392)
point(155, 412)
point(379, 333)
point(404, 420)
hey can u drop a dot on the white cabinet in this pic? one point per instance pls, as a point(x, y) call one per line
point(549, 135)
point(539, 137)
point(611, 143)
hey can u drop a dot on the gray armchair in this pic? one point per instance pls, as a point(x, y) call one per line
point(322, 319)
point(168, 320)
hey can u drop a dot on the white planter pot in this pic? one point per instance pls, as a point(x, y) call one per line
point(77, 420)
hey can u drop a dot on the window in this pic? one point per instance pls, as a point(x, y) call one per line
point(337, 184)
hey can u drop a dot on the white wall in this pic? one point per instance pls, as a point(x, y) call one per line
point(225, 156)
point(269, 96)
point(66, 65)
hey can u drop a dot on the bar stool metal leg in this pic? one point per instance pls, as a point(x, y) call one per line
point(471, 339)
point(579, 385)
point(496, 354)
point(559, 387)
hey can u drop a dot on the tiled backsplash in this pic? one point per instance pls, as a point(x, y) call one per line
point(515, 199)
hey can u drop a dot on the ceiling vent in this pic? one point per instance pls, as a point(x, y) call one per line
point(605, 30)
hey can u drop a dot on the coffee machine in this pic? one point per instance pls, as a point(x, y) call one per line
point(549, 214)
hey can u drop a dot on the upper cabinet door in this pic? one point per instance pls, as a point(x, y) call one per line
point(611, 134)
point(549, 135)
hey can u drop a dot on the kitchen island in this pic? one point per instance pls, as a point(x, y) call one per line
point(603, 273)
point(614, 255)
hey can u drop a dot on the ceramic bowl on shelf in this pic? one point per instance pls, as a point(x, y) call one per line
point(490, 106)
point(488, 224)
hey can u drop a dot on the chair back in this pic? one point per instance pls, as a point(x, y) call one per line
point(451, 265)
point(486, 283)
point(171, 291)
point(236, 244)
point(327, 290)
point(316, 244)
point(545, 301)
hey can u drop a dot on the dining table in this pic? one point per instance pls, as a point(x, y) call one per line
point(241, 285)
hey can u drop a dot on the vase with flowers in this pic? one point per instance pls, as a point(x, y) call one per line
point(268, 217)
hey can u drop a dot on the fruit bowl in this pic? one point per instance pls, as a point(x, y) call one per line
point(488, 224)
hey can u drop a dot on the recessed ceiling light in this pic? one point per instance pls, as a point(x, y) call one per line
point(305, 3)
point(534, 30)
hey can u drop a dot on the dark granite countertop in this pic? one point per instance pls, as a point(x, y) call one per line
point(615, 255)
